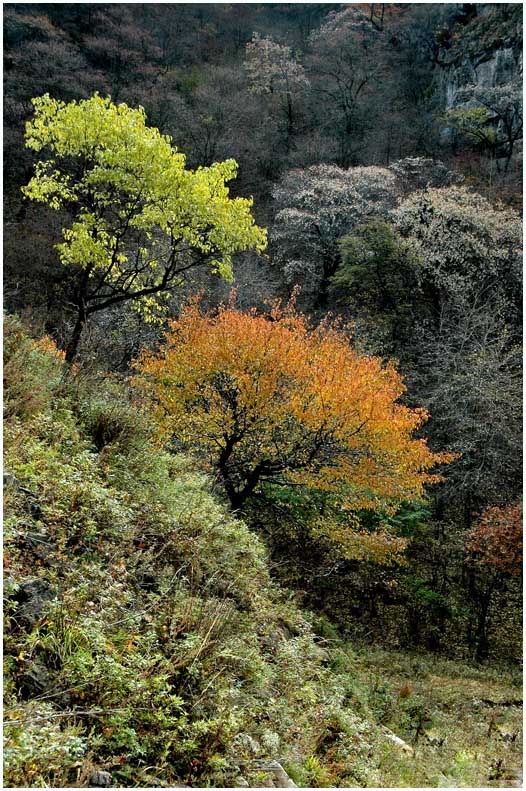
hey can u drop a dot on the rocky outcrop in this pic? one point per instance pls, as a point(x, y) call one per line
point(35, 680)
point(270, 774)
point(486, 70)
point(34, 598)
point(487, 51)
point(478, 39)
point(481, 52)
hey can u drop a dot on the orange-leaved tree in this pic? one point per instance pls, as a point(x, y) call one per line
point(494, 547)
point(496, 539)
point(267, 400)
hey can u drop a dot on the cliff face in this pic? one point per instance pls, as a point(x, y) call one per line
point(483, 69)
point(485, 51)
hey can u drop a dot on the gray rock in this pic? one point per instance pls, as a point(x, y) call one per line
point(397, 740)
point(281, 778)
point(34, 597)
point(276, 776)
point(35, 680)
point(100, 779)
point(11, 480)
point(40, 544)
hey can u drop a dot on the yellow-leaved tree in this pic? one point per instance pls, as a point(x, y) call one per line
point(268, 401)
point(140, 219)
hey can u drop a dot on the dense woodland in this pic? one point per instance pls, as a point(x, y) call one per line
point(262, 335)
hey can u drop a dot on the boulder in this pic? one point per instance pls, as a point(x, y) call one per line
point(99, 779)
point(35, 680)
point(34, 597)
point(274, 774)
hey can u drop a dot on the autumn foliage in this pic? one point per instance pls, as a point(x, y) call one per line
point(496, 539)
point(266, 399)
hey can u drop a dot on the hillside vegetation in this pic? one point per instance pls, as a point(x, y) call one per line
point(145, 637)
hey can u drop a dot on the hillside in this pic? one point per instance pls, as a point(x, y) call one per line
point(145, 638)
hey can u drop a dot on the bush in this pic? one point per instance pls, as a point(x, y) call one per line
point(32, 371)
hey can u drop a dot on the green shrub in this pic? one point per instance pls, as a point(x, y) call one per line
point(32, 371)
point(38, 749)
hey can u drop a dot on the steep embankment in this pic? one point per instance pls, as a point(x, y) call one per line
point(144, 635)
point(146, 644)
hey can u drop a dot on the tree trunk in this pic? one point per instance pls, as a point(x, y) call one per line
point(290, 123)
point(481, 633)
point(73, 345)
point(238, 497)
point(481, 637)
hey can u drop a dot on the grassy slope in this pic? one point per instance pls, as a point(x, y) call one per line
point(463, 722)
point(164, 652)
